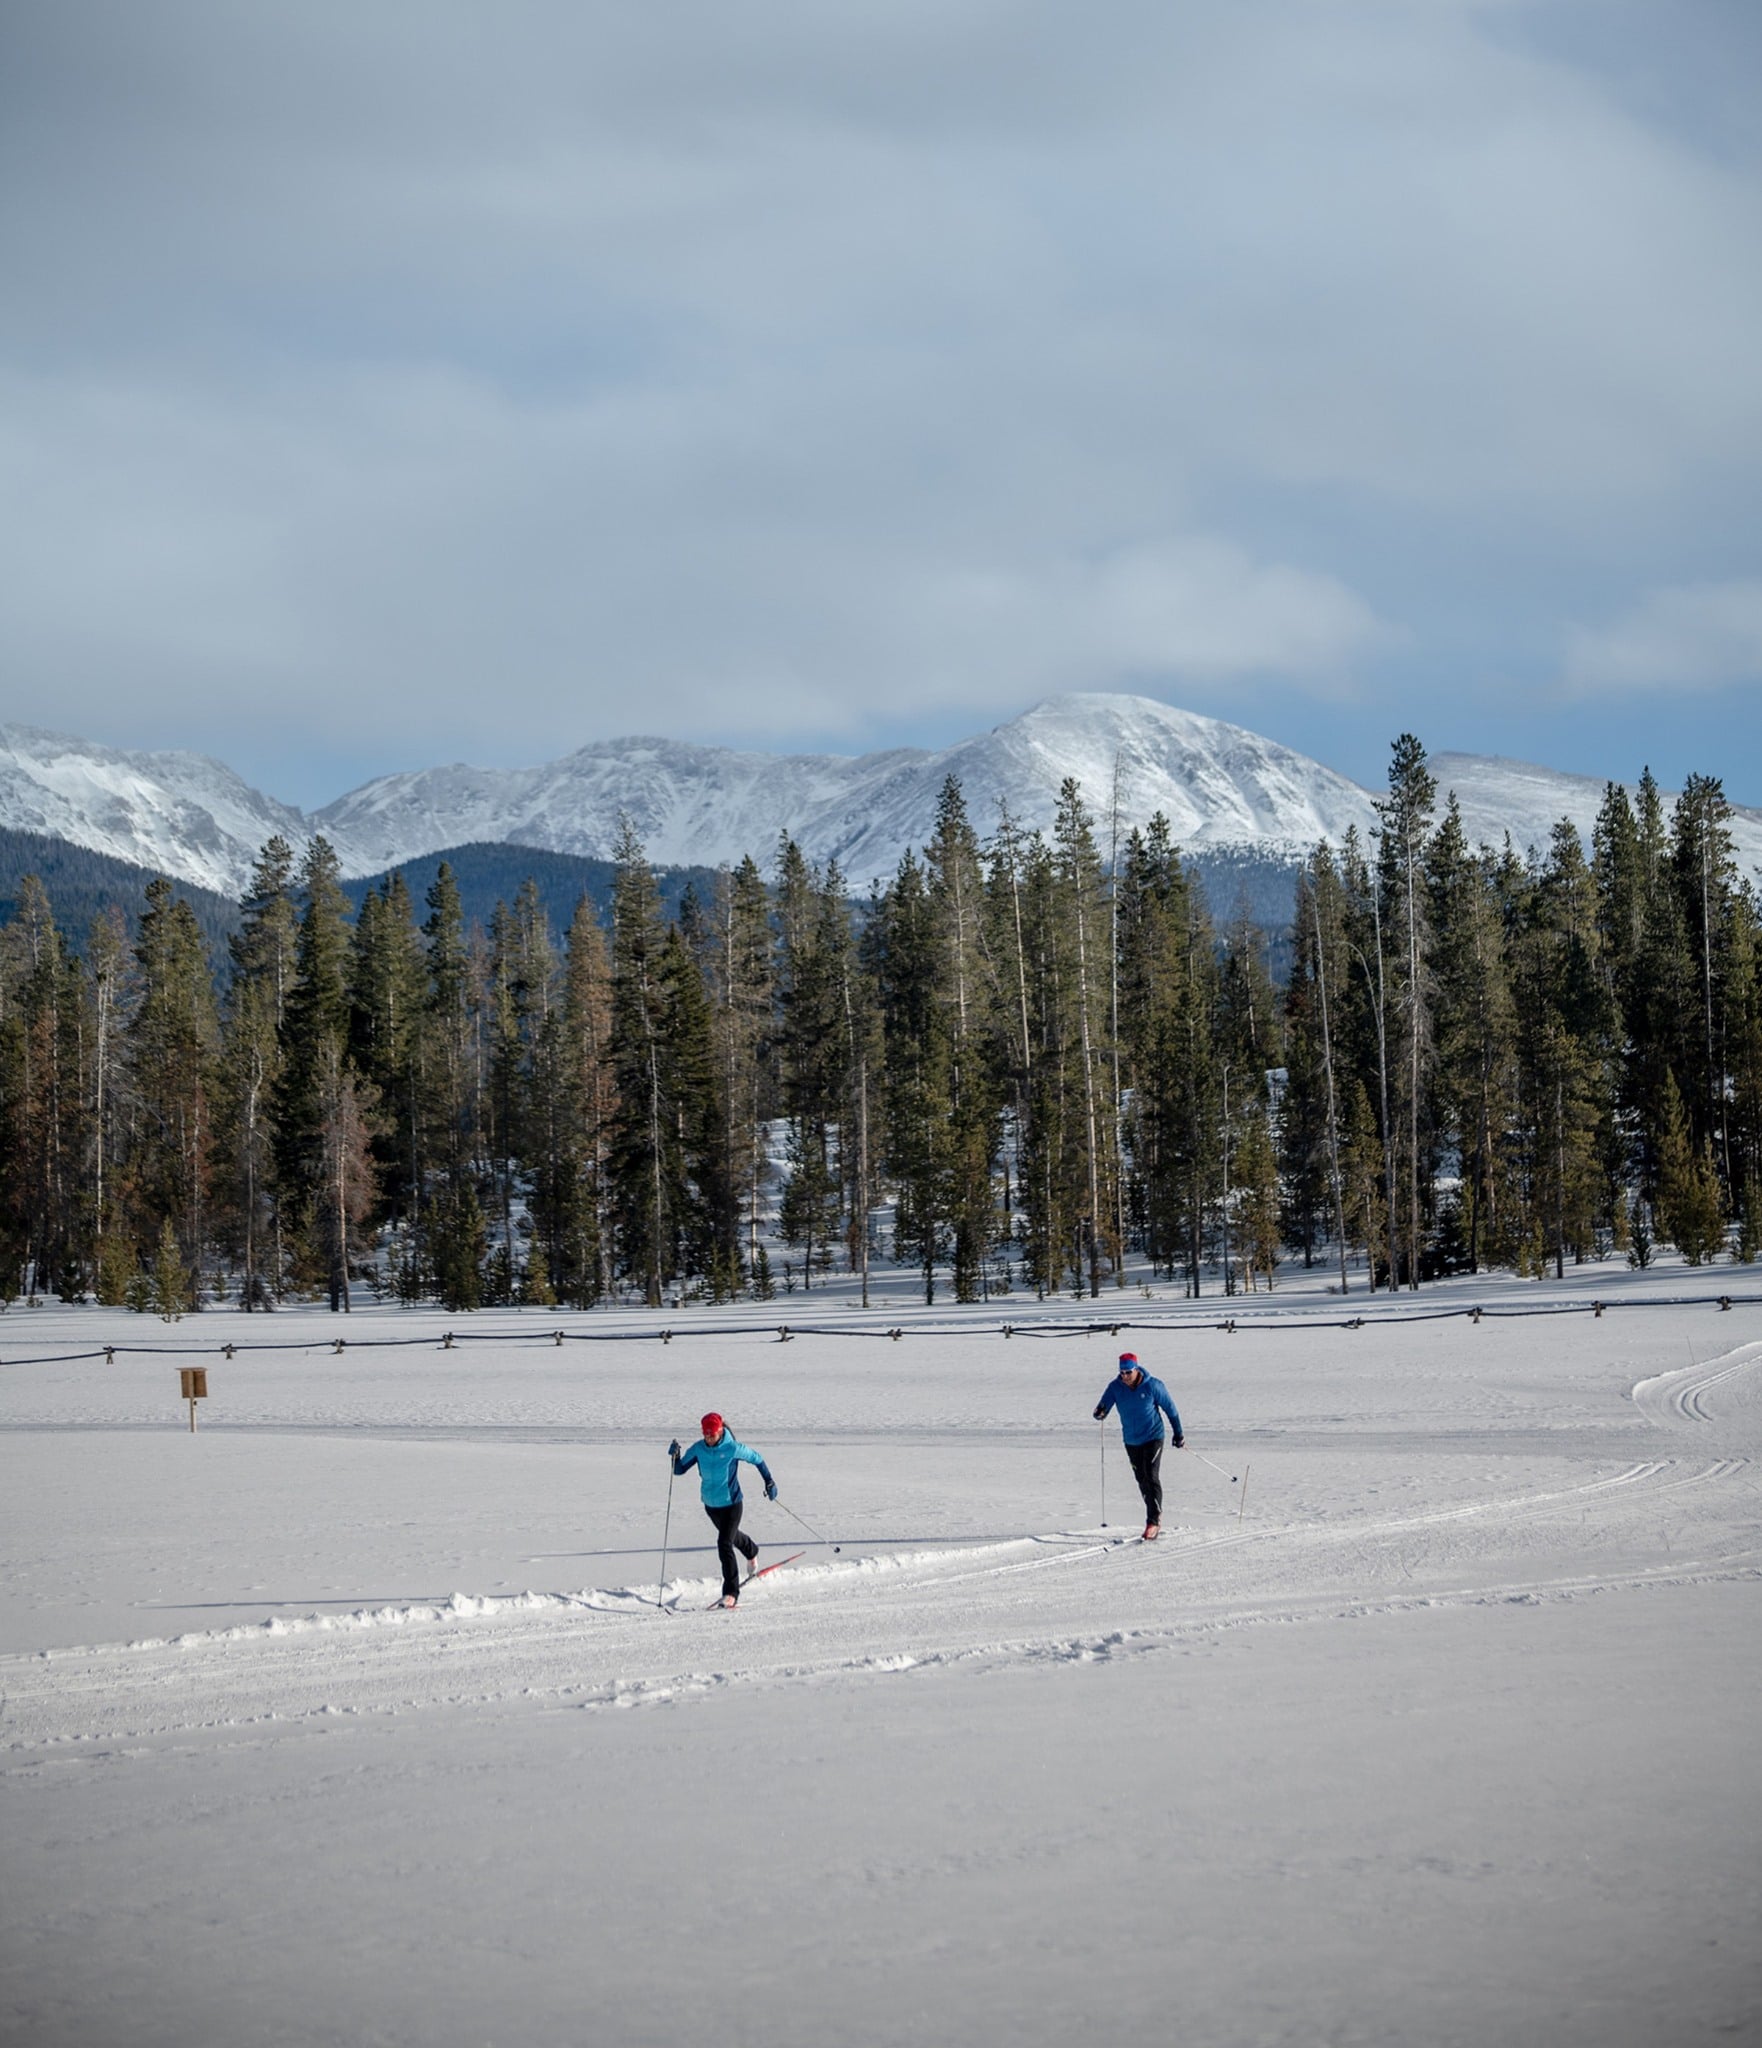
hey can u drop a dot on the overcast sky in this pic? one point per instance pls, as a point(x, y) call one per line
point(388, 384)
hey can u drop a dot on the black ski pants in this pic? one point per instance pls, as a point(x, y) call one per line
point(1147, 1470)
point(729, 1540)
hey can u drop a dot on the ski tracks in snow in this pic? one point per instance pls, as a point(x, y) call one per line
point(1680, 1397)
point(1075, 1596)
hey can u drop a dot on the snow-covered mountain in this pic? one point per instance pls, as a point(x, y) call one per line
point(1220, 786)
point(1217, 785)
point(188, 816)
point(1497, 796)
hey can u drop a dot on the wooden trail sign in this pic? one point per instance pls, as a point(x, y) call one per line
point(194, 1382)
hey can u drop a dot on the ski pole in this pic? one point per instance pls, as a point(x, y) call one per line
point(1103, 1441)
point(1204, 1460)
point(808, 1526)
point(666, 1531)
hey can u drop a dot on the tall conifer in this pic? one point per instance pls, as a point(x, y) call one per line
point(251, 1068)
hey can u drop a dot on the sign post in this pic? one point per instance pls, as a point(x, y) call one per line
point(194, 1381)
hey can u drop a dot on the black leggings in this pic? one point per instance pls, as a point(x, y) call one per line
point(729, 1540)
point(1147, 1470)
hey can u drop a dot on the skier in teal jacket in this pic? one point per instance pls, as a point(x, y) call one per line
point(1142, 1403)
point(718, 1456)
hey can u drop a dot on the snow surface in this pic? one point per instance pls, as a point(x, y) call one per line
point(1220, 786)
point(352, 1717)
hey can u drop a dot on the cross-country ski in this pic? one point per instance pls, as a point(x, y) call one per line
point(765, 1570)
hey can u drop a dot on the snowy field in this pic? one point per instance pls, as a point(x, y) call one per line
point(353, 1717)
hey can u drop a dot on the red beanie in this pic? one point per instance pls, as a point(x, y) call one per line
point(711, 1424)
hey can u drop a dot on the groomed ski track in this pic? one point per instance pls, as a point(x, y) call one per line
point(1072, 1594)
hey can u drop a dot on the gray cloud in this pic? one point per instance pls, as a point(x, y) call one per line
point(481, 381)
point(1696, 637)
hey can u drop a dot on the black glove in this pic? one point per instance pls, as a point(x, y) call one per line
point(1180, 1443)
point(673, 1449)
point(1100, 1414)
point(770, 1489)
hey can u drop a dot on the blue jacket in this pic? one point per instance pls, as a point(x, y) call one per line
point(1141, 1409)
point(717, 1468)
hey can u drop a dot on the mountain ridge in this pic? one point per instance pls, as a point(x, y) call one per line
point(1222, 787)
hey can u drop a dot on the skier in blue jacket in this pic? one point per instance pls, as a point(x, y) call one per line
point(1142, 1402)
point(718, 1456)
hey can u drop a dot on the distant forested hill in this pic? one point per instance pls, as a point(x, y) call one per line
point(81, 884)
point(1239, 881)
point(490, 874)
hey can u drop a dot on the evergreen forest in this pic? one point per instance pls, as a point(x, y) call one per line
point(1028, 1062)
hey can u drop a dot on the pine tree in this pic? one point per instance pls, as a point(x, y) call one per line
point(1154, 930)
point(109, 963)
point(570, 1194)
point(348, 1180)
point(644, 1165)
point(448, 1109)
point(1087, 917)
point(1639, 1233)
point(903, 958)
point(863, 1060)
point(1466, 987)
point(1052, 1237)
point(1749, 1235)
point(536, 1290)
point(1655, 985)
point(1743, 1037)
point(1258, 1197)
point(1169, 1003)
point(1362, 1173)
point(520, 989)
point(1012, 860)
point(955, 886)
point(1406, 816)
point(388, 988)
point(763, 1288)
point(315, 1016)
point(1688, 1202)
point(251, 1068)
point(172, 1040)
point(118, 1268)
point(1564, 1052)
point(738, 977)
point(43, 1215)
point(813, 942)
point(1369, 1021)
point(1306, 1121)
point(1326, 906)
point(457, 1243)
point(171, 1282)
point(1705, 874)
point(705, 1244)
point(1244, 1032)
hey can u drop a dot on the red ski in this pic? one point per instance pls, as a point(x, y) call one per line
point(720, 1600)
point(765, 1569)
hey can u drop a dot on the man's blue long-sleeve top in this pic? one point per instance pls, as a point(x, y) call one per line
point(717, 1468)
point(1141, 1409)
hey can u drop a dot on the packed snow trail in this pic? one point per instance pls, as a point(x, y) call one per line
point(1029, 1600)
